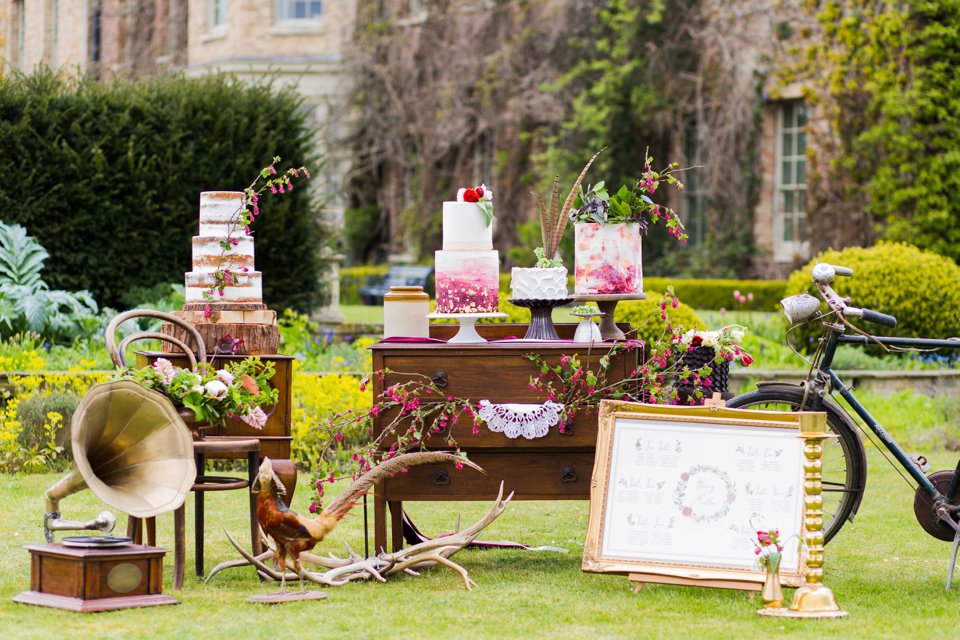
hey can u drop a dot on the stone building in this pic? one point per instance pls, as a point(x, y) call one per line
point(303, 42)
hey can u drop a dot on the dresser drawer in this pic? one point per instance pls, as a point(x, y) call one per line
point(582, 434)
point(530, 475)
point(498, 377)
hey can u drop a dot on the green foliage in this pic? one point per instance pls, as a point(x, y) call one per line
point(36, 429)
point(619, 96)
point(352, 278)
point(27, 304)
point(884, 76)
point(362, 228)
point(920, 288)
point(719, 294)
point(108, 177)
point(646, 316)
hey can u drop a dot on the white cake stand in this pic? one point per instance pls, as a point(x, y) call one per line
point(468, 325)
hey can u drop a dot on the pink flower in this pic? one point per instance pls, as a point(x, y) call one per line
point(256, 418)
point(165, 370)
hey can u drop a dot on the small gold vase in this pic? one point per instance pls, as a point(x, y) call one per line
point(772, 594)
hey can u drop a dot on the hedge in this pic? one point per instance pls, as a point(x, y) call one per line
point(718, 294)
point(919, 288)
point(107, 177)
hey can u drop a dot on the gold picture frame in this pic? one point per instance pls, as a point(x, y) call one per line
point(677, 493)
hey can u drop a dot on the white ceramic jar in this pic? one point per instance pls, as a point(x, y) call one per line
point(405, 312)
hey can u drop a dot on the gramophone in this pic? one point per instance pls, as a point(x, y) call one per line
point(132, 449)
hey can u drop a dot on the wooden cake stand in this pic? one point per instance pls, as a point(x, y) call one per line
point(468, 325)
point(607, 303)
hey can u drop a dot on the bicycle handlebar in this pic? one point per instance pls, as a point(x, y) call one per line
point(824, 274)
point(873, 316)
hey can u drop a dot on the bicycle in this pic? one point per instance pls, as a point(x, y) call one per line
point(937, 495)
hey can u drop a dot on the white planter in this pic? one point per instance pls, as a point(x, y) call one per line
point(608, 259)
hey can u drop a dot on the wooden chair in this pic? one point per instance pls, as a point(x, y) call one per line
point(203, 449)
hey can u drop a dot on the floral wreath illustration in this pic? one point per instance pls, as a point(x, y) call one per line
point(681, 491)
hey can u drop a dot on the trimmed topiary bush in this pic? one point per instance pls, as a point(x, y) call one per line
point(921, 289)
point(644, 315)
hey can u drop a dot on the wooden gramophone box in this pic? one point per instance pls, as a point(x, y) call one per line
point(84, 579)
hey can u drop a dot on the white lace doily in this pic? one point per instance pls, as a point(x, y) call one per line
point(515, 420)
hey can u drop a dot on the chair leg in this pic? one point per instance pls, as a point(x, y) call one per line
point(152, 531)
point(179, 546)
point(135, 529)
point(253, 467)
point(198, 519)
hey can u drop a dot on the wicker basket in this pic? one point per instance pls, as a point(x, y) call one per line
point(695, 359)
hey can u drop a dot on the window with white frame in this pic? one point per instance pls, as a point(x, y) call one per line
point(288, 10)
point(217, 14)
point(790, 201)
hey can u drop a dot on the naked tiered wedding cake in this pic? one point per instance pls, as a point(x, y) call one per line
point(221, 246)
point(224, 295)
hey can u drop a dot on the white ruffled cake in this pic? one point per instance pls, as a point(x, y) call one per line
point(217, 210)
point(538, 283)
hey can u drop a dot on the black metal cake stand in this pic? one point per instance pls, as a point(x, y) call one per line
point(541, 317)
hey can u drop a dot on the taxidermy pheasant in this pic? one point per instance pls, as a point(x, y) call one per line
point(293, 534)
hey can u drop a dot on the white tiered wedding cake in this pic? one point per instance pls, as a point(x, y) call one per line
point(467, 269)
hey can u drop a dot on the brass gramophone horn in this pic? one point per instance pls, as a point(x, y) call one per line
point(131, 449)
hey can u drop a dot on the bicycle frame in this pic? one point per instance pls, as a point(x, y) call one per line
point(825, 374)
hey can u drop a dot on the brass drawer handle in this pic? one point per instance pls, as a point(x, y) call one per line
point(568, 474)
point(441, 477)
point(440, 378)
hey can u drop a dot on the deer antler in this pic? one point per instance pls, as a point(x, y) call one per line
point(340, 571)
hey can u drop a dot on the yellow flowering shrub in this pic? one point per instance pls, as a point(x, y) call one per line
point(45, 453)
point(316, 399)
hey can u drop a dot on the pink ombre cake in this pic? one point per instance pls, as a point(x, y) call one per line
point(467, 281)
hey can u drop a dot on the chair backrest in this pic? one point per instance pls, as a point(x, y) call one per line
point(198, 354)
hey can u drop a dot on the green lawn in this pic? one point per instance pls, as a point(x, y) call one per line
point(362, 314)
point(883, 569)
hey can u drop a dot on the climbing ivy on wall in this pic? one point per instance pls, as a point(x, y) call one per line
point(887, 152)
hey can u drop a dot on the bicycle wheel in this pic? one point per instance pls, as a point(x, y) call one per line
point(844, 463)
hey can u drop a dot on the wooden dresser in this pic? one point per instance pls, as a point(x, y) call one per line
point(554, 467)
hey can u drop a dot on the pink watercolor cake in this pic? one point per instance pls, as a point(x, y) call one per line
point(467, 281)
point(608, 259)
point(467, 270)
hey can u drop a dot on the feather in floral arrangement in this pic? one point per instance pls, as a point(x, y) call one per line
point(553, 218)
